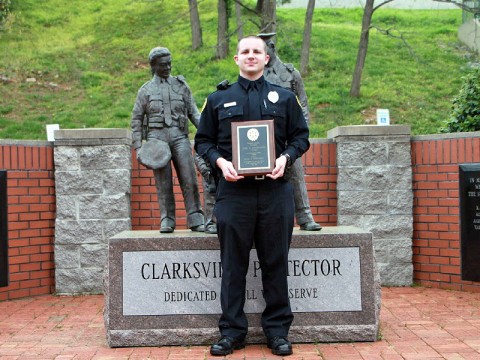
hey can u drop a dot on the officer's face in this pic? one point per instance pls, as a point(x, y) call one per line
point(251, 58)
point(162, 66)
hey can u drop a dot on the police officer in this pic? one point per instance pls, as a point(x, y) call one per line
point(285, 75)
point(251, 210)
point(161, 112)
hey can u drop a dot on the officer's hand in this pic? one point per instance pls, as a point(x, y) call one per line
point(228, 171)
point(279, 170)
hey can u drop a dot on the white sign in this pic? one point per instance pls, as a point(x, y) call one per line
point(50, 131)
point(383, 117)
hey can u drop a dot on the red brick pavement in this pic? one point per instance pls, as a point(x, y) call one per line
point(416, 323)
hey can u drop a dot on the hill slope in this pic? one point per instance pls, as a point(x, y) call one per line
point(80, 63)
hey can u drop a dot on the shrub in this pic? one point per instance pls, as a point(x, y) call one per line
point(466, 106)
point(4, 10)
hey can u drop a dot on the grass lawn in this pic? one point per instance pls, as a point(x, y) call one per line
point(80, 63)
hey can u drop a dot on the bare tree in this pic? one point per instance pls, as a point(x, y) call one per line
point(259, 6)
point(222, 30)
point(367, 25)
point(465, 5)
point(363, 45)
point(268, 15)
point(307, 34)
point(238, 16)
point(195, 25)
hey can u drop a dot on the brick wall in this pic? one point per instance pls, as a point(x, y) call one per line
point(436, 238)
point(31, 218)
point(320, 177)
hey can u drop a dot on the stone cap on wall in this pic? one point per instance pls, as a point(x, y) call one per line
point(88, 137)
point(443, 136)
point(369, 130)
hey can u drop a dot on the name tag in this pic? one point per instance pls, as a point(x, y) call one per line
point(230, 104)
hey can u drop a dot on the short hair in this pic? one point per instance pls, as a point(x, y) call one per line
point(158, 52)
point(252, 37)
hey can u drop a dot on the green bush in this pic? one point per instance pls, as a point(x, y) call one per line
point(4, 10)
point(466, 106)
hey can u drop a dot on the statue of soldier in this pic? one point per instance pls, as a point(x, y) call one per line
point(287, 76)
point(160, 116)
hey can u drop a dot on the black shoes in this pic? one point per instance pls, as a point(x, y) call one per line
point(280, 346)
point(226, 345)
point(311, 226)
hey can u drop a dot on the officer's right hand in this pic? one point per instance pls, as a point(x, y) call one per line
point(228, 171)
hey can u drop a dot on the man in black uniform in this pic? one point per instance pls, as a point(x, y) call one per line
point(251, 210)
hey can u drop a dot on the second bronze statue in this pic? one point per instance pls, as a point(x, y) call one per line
point(286, 76)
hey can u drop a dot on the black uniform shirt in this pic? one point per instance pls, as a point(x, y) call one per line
point(214, 136)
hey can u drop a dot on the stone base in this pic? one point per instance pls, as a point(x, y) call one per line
point(164, 289)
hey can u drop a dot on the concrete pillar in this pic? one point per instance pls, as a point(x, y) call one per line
point(374, 189)
point(92, 185)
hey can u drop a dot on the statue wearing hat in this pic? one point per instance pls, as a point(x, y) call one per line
point(160, 117)
point(287, 76)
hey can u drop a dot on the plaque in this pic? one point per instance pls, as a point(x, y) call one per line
point(253, 146)
point(470, 221)
point(188, 282)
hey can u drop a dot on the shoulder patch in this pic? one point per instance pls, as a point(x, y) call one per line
point(298, 100)
point(145, 84)
point(290, 67)
point(204, 104)
point(223, 85)
point(180, 78)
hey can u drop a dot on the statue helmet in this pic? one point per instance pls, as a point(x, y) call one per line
point(267, 37)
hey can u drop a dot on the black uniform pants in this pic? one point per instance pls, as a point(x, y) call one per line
point(259, 212)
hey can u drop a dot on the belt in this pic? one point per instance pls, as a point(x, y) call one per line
point(253, 179)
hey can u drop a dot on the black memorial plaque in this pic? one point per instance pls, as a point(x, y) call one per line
point(470, 221)
point(3, 230)
point(253, 147)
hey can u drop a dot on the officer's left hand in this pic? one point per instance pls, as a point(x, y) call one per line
point(279, 170)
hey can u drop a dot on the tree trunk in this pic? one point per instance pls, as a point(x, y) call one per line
point(268, 16)
point(362, 49)
point(222, 30)
point(259, 6)
point(195, 25)
point(238, 15)
point(307, 34)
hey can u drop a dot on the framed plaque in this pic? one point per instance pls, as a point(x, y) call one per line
point(253, 146)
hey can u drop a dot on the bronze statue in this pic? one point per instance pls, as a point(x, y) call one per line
point(209, 190)
point(287, 76)
point(160, 117)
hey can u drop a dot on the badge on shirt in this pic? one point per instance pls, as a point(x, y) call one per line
point(230, 104)
point(273, 96)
